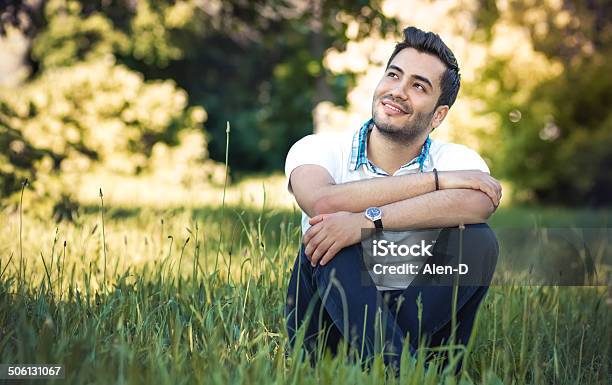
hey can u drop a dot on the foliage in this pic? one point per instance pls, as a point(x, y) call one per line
point(255, 64)
point(555, 124)
point(97, 114)
point(543, 88)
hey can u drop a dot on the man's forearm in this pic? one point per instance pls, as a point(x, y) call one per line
point(329, 233)
point(444, 208)
point(359, 195)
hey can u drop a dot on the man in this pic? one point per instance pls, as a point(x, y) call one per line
point(389, 174)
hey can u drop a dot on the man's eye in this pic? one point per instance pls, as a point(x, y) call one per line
point(419, 86)
point(392, 74)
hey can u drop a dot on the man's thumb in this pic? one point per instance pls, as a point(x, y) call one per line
point(316, 219)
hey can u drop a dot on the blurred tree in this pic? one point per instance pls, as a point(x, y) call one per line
point(97, 114)
point(18, 156)
point(555, 137)
point(257, 64)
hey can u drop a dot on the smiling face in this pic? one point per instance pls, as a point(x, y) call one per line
point(404, 104)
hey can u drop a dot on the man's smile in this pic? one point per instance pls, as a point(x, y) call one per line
point(391, 108)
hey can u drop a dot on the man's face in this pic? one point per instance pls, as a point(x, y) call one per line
point(404, 104)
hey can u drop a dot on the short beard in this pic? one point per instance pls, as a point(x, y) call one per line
point(407, 134)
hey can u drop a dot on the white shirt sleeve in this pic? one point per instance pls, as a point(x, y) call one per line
point(454, 157)
point(312, 149)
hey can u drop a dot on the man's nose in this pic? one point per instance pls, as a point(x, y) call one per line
point(399, 92)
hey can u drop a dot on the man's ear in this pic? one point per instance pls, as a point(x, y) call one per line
point(438, 116)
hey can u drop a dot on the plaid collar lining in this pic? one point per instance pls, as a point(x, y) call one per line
point(359, 152)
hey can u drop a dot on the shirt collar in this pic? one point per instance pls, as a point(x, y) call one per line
point(359, 152)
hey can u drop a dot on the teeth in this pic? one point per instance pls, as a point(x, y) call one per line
point(393, 108)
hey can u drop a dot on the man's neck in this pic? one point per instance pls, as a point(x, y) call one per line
point(390, 155)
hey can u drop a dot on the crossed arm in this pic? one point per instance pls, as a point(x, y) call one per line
point(407, 201)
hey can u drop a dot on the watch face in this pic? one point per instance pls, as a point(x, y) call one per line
point(373, 212)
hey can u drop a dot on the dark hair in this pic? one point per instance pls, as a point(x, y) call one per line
point(430, 42)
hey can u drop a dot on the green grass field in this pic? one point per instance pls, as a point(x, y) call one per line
point(197, 296)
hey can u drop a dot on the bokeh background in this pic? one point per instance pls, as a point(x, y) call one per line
point(134, 96)
point(177, 273)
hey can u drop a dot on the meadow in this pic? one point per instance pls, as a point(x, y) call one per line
point(128, 295)
point(166, 279)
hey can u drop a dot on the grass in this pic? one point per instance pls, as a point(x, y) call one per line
point(165, 315)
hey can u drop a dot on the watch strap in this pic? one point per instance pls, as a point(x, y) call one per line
point(378, 224)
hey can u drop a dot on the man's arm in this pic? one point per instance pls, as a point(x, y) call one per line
point(445, 208)
point(316, 192)
point(448, 208)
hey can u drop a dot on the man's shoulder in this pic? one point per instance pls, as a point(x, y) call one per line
point(455, 156)
point(329, 150)
point(329, 140)
point(336, 137)
point(441, 148)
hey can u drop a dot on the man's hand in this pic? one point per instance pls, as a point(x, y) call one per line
point(472, 179)
point(330, 233)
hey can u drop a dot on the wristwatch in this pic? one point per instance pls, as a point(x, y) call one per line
point(375, 215)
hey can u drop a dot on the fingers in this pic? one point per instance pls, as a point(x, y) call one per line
point(486, 186)
point(313, 241)
point(330, 253)
point(310, 233)
point(491, 187)
point(491, 190)
point(316, 219)
point(497, 188)
point(322, 250)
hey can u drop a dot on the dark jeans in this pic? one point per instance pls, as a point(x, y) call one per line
point(334, 299)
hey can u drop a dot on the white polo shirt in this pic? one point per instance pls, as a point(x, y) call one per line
point(343, 156)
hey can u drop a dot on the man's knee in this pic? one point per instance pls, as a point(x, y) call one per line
point(481, 237)
point(474, 246)
point(481, 250)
